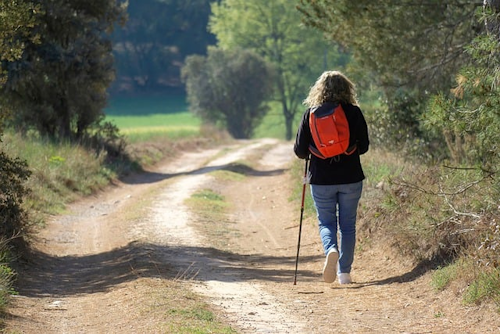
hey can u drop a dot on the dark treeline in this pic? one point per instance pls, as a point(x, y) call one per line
point(151, 48)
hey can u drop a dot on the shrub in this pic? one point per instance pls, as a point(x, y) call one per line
point(13, 174)
point(228, 88)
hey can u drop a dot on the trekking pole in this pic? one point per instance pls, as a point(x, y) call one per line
point(300, 224)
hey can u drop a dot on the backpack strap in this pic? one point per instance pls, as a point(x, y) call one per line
point(316, 152)
point(351, 149)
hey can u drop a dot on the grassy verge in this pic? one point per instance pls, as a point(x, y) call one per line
point(60, 173)
point(297, 177)
point(445, 218)
point(7, 276)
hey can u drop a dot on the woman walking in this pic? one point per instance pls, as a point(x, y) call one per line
point(336, 183)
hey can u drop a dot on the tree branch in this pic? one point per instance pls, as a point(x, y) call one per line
point(463, 188)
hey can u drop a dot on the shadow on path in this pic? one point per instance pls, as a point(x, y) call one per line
point(47, 275)
point(153, 177)
point(418, 271)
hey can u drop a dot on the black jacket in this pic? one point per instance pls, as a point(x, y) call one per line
point(343, 169)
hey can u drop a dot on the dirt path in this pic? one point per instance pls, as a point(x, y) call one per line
point(98, 264)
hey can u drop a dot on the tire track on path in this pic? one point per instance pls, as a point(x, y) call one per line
point(227, 282)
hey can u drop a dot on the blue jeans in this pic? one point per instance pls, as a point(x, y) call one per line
point(336, 206)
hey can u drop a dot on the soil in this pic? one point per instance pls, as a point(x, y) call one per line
point(96, 266)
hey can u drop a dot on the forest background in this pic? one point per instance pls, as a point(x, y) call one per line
point(427, 77)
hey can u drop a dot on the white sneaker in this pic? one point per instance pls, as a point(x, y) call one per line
point(345, 278)
point(330, 268)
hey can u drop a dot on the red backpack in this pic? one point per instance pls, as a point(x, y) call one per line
point(330, 132)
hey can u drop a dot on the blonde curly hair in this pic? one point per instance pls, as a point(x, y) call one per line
point(331, 86)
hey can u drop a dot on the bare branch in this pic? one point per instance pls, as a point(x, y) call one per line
point(467, 214)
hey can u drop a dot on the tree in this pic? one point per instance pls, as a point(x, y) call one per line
point(59, 82)
point(229, 88)
point(407, 43)
point(469, 118)
point(412, 48)
point(150, 49)
point(273, 29)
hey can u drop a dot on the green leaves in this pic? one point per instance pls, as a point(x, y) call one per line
point(58, 83)
point(228, 88)
point(469, 118)
point(274, 30)
point(17, 18)
point(405, 42)
point(13, 174)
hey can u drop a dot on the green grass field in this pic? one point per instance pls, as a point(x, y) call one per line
point(149, 117)
point(144, 118)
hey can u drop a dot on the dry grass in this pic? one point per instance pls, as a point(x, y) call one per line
point(444, 217)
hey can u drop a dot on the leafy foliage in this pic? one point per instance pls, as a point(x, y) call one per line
point(229, 88)
point(407, 43)
point(18, 18)
point(58, 85)
point(411, 48)
point(13, 174)
point(470, 118)
point(273, 29)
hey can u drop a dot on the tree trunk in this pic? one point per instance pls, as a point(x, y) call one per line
point(289, 125)
point(64, 119)
point(288, 121)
